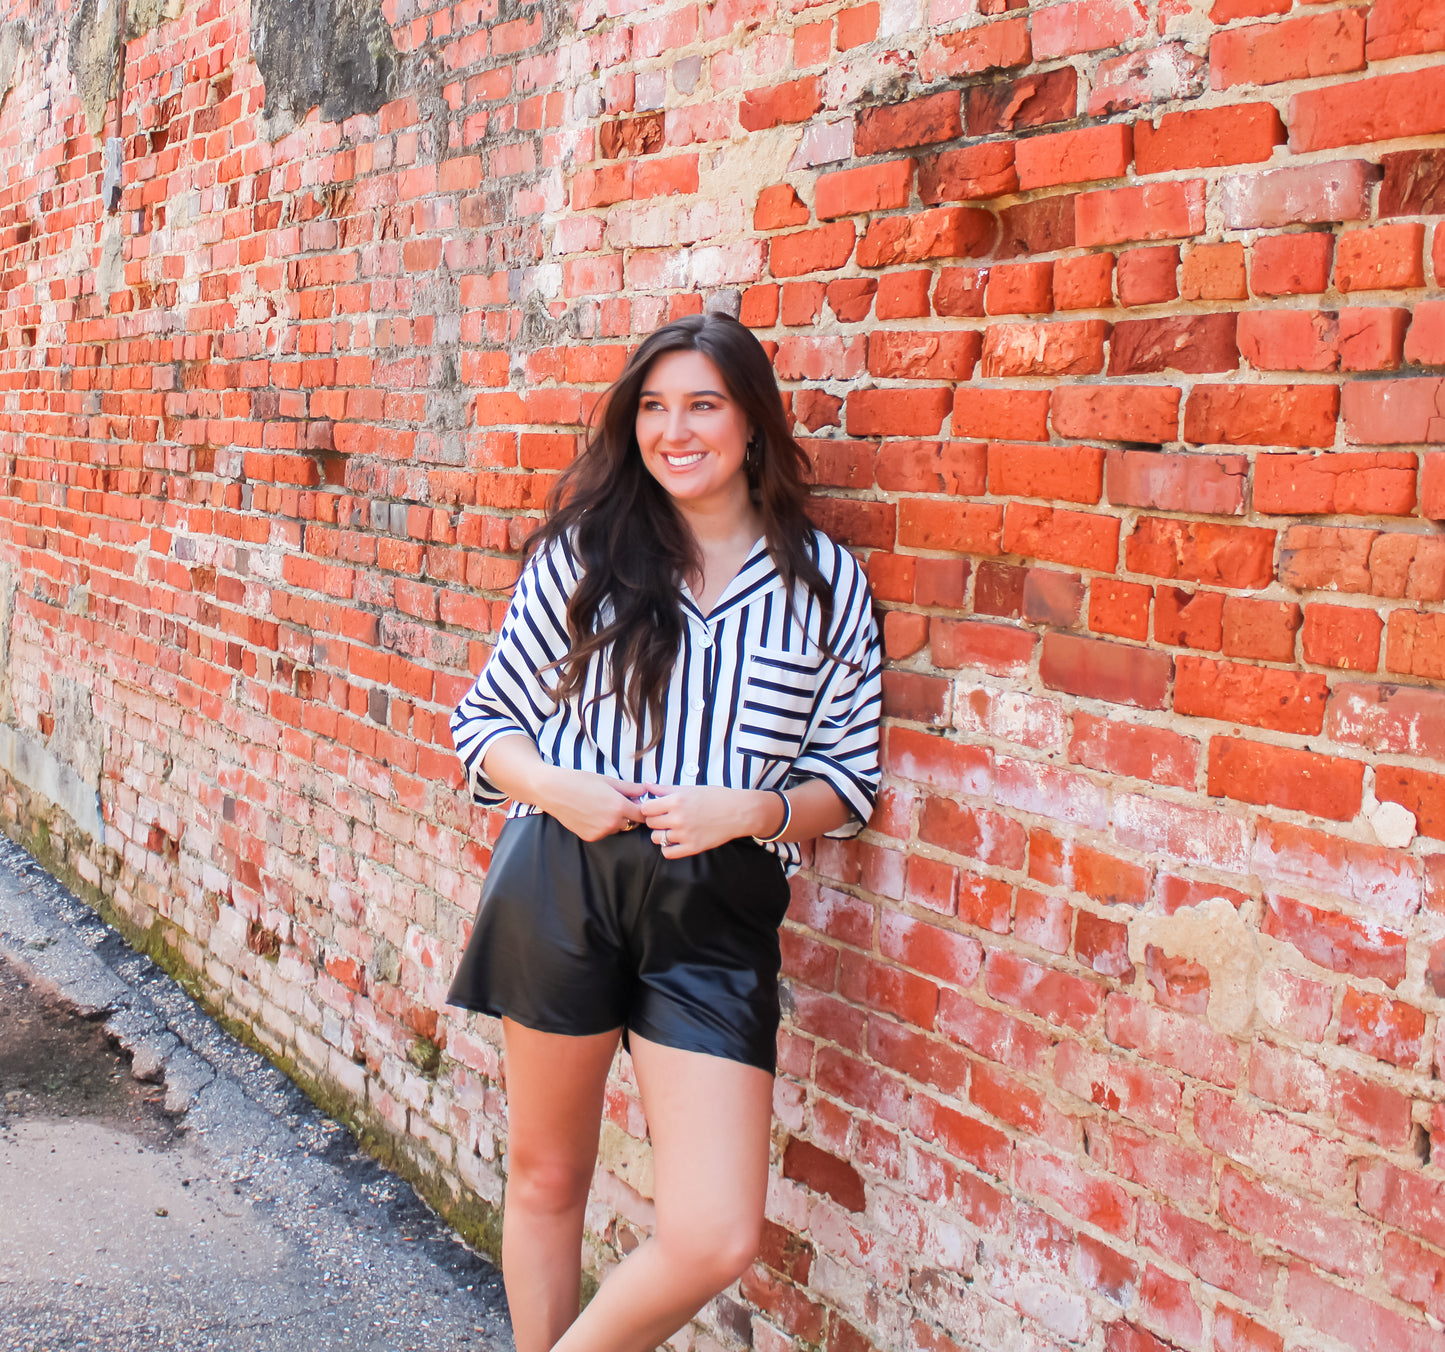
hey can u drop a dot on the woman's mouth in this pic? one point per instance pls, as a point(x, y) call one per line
point(683, 461)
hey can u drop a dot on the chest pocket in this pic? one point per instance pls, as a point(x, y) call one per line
point(779, 691)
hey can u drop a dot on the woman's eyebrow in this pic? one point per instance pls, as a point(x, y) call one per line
point(692, 394)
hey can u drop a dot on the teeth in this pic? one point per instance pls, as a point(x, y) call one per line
point(684, 459)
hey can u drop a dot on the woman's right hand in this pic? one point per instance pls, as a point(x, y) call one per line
point(589, 805)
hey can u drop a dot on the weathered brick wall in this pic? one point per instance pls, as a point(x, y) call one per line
point(1111, 327)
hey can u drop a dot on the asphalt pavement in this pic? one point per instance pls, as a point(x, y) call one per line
point(164, 1188)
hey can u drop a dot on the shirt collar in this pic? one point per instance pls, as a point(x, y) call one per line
point(758, 575)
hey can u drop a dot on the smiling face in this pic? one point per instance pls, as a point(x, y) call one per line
point(693, 434)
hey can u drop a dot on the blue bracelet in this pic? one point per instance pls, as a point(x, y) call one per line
point(787, 820)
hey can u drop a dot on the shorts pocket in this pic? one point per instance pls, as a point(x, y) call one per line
point(779, 692)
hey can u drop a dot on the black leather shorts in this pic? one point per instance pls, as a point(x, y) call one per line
point(581, 937)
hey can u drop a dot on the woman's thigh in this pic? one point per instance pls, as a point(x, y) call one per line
point(555, 1087)
point(710, 1120)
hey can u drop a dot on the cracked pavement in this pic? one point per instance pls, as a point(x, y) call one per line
point(166, 1187)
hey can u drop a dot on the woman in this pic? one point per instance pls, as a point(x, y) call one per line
point(685, 654)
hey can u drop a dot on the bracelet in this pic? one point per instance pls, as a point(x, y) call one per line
point(787, 820)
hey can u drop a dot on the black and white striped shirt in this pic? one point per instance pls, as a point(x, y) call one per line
point(753, 703)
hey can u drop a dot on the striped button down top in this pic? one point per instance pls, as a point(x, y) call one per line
point(753, 702)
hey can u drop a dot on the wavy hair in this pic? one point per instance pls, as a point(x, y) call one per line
point(632, 543)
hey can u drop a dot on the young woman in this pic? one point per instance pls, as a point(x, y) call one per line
point(684, 653)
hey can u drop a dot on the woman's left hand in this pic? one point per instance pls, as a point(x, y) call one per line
point(690, 820)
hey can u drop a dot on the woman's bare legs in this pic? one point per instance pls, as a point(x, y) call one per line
point(710, 1120)
point(554, 1111)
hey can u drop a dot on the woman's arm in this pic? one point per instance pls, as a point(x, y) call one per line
point(700, 817)
point(590, 806)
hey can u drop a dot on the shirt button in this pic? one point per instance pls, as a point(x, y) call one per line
point(689, 769)
point(699, 705)
point(705, 638)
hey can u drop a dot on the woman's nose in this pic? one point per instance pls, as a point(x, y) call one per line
point(677, 426)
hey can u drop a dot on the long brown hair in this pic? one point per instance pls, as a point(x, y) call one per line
point(632, 543)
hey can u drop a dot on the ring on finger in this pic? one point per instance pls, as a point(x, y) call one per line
point(665, 841)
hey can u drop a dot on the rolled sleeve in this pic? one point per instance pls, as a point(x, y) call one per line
point(842, 750)
point(511, 696)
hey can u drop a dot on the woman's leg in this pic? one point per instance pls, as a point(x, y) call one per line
point(710, 1120)
point(554, 1111)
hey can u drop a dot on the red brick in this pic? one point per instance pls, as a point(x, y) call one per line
point(944, 232)
point(1189, 619)
point(923, 356)
point(1425, 345)
point(1140, 752)
point(1212, 484)
point(1148, 276)
point(802, 302)
point(976, 833)
point(1075, 347)
point(1153, 211)
point(1384, 257)
point(1414, 184)
point(1214, 1254)
point(875, 187)
point(1415, 644)
point(819, 250)
point(1118, 413)
point(1342, 636)
point(1421, 791)
point(1191, 343)
point(941, 582)
point(1253, 772)
point(1284, 701)
point(1020, 288)
point(972, 51)
point(931, 467)
point(759, 309)
point(1003, 414)
point(1412, 1272)
point(959, 292)
point(1324, 557)
point(857, 26)
point(1119, 608)
point(1379, 878)
point(1059, 997)
point(1361, 484)
point(1084, 283)
point(1396, 719)
point(1042, 226)
point(1070, 473)
point(1081, 539)
point(1081, 1192)
point(1352, 1319)
point(796, 101)
point(1236, 1332)
point(967, 1138)
point(1392, 412)
point(1314, 193)
point(1361, 111)
point(1244, 133)
point(999, 649)
point(1291, 265)
point(1260, 629)
point(1032, 101)
point(851, 298)
point(1214, 272)
point(1404, 1199)
point(1097, 669)
point(1297, 1226)
point(1200, 551)
point(903, 295)
point(1297, 49)
point(898, 126)
point(1154, 74)
point(1262, 415)
point(1404, 28)
point(972, 173)
point(966, 528)
point(824, 1173)
point(897, 413)
point(1337, 942)
point(1083, 156)
point(1389, 1030)
point(1099, 874)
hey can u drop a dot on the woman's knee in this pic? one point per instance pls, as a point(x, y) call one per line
point(548, 1182)
point(718, 1250)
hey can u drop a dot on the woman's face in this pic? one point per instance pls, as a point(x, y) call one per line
point(692, 433)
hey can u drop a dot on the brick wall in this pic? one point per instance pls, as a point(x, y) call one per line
point(1114, 330)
